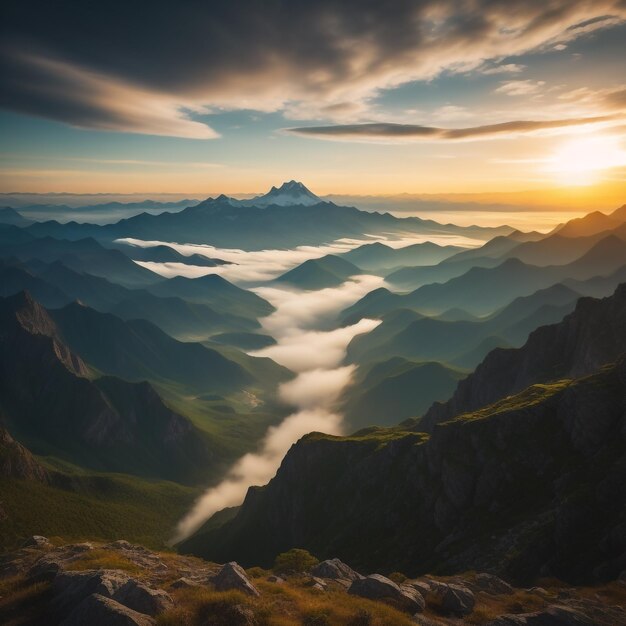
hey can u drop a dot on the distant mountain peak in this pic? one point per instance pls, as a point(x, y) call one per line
point(291, 193)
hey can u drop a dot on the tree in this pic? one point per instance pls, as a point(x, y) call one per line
point(294, 561)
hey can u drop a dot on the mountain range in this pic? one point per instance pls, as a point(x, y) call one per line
point(526, 485)
point(484, 415)
point(268, 221)
point(52, 401)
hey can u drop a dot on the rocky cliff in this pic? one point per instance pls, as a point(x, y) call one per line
point(54, 405)
point(529, 485)
point(592, 335)
point(17, 462)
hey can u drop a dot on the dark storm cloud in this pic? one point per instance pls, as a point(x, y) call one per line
point(144, 66)
point(386, 131)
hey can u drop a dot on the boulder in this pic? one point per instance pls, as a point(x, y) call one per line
point(97, 610)
point(275, 579)
point(457, 600)
point(45, 569)
point(71, 588)
point(335, 569)
point(377, 587)
point(491, 584)
point(144, 599)
point(184, 583)
point(37, 541)
point(422, 586)
point(232, 576)
point(316, 583)
point(414, 594)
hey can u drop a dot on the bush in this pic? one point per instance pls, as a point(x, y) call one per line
point(256, 572)
point(294, 561)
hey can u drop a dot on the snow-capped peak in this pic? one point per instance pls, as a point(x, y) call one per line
point(292, 193)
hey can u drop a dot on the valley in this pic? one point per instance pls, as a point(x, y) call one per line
point(405, 396)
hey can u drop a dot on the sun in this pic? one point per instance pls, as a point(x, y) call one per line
point(581, 161)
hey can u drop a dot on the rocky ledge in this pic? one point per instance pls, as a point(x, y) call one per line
point(128, 585)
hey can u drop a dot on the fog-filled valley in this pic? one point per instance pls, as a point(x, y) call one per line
point(318, 378)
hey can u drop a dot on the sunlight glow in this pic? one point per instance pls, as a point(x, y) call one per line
point(580, 161)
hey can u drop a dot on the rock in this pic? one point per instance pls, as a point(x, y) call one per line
point(275, 579)
point(235, 615)
point(71, 588)
point(141, 598)
point(232, 576)
point(377, 587)
point(540, 591)
point(491, 584)
point(78, 548)
point(316, 583)
point(414, 594)
point(567, 616)
point(457, 600)
point(335, 569)
point(419, 585)
point(45, 568)
point(184, 583)
point(556, 615)
point(344, 583)
point(97, 610)
point(37, 541)
point(122, 544)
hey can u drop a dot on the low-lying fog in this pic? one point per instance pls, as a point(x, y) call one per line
point(254, 267)
point(316, 356)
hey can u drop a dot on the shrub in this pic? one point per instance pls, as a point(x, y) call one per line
point(294, 561)
point(256, 572)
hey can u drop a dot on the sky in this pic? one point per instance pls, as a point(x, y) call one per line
point(362, 97)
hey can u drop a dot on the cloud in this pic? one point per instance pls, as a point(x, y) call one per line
point(450, 112)
point(399, 132)
point(508, 68)
point(256, 468)
point(299, 350)
point(246, 266)
point(85, 99)
point(317, 387)
point(316, 355)
point(151, 67)
point(309, 309)
point(520, 87)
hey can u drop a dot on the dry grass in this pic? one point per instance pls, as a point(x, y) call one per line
point(280, 605)
point(22, 602)
point(103, 559)
point(488, 606)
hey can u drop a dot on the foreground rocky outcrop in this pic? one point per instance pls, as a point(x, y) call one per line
point(121, 584)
